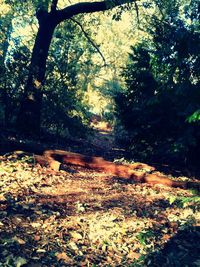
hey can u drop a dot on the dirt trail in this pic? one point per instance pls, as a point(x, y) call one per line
point(80, 217)
point(105, 143)
point(84, 218)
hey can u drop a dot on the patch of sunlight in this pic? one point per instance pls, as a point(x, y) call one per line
point(37, 84)
point(23, 30)
point(4, 8)
point(184, 216)
point(111, 227)
point(96, 100)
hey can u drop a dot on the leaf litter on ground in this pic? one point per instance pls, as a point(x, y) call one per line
point(84, 218)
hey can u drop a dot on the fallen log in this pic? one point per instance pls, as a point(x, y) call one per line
point(137, 172)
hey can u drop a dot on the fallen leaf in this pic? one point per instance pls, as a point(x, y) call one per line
point(36, 237)
point(2, 197)
point(40, 250)
point(20, 261)
point(19, 240)
point(63, 256)
point(35, 225)
point(76, 235)
point(133, 255)
point(73, 246)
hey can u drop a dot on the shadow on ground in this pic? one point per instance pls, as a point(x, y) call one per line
point(182, 250)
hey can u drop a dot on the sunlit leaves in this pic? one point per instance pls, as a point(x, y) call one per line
point(62, 218)
point(4, 9)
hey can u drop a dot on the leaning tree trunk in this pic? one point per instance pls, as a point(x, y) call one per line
point(29, 116)
point(30, 109)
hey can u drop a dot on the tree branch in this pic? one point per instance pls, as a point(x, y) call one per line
point(137, 11)
point(87, 7)
point(88, 38)
point(54, 6)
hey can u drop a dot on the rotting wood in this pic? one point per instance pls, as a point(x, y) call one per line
point(137, 172)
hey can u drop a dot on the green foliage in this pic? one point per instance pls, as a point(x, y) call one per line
point(194, 117)
point(12, 88)
point(162, 79)
point(183, 202)
point(145, 236)
point(64, 113)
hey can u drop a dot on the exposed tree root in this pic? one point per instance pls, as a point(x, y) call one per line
point(137, 172)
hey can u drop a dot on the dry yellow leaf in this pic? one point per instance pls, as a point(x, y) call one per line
point(63, 256)
point(133, 255)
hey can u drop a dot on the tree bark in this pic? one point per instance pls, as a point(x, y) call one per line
point(30, 109)
point(137, 172)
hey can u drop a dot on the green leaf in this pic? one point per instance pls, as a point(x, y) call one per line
point(194, 117)
point(172, 199)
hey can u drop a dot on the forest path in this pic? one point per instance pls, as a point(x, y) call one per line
point(81, 217)
point(104, 139)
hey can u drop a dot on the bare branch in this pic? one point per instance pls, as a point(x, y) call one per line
point(137, 11)
point(89, 39)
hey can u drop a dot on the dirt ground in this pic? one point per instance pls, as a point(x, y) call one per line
point(79, 217)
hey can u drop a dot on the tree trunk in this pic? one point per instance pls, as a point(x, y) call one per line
point(29, 116)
